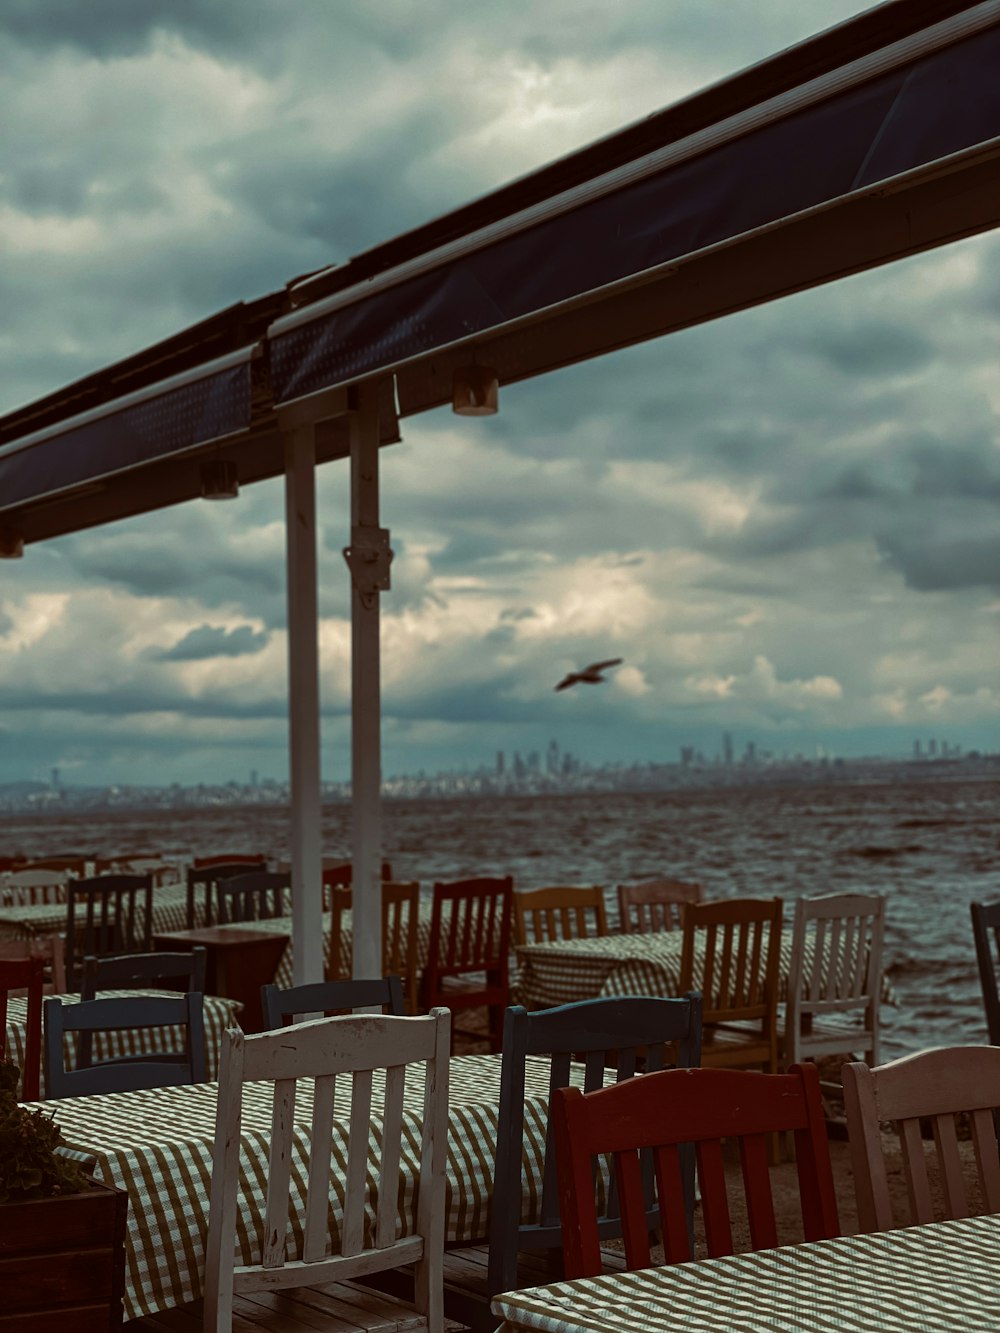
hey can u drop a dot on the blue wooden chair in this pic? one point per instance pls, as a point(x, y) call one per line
point(144, 971)
point(627, 1034)
point(986, 933)
point(126, 1073)
point(279, 1007)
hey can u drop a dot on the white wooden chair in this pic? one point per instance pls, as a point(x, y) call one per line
point(835, 978)
point(937, 1085)
point(319, 1050)
point(23, 888)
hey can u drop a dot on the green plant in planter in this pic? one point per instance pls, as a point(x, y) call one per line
point(30, 1167)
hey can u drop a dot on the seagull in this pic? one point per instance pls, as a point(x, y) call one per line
point(589, 675)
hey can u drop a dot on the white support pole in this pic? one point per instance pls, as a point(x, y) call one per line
point(303, 706)
point(368, 557)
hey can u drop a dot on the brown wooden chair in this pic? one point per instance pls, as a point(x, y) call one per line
point(935, 1085)
point(52, 952)
point(661, 1112)
point(206, 873)
point(468, 957)
point(261, 895)
point(654, 904)
point(341, 874)
point(400, 918)
point(17, 975)
point(731, 952)
point(559, 913)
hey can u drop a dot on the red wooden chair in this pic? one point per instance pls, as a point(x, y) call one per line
point(17, 974)
point(468, 956)
point(664, 1110)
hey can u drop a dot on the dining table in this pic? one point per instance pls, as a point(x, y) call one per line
point(283, 976)
point(937, 1278)
point(30, 920)
point(157, 1145)
point(553, 972)
point(220, 1012)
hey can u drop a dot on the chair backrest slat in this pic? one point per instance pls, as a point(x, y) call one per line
point(353, 1234)
point(279, 1173)
point(392, 1134)
point(320, 1151)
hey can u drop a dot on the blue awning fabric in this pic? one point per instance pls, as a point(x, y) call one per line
point(911, 118)
point(211, 408)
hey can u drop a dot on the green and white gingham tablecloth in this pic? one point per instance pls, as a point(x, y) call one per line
point(219, 1014)
point(562, 971)
point(169, 913)
point(283, 977)
point(157, 1145)
point(939, 1278)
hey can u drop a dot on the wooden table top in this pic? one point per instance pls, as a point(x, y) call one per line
point(224, 936)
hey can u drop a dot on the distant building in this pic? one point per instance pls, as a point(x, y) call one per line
point(501, 763)
point(727, 748)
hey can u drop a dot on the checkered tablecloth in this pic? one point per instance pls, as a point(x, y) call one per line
point(169, 913)
point(219, 1014)
point(283, 977)
point(562, 971)
point(157, 1145)
point(939, 1278)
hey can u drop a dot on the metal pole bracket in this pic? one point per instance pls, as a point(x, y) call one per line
point(368, 558)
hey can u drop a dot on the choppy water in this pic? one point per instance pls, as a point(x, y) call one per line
point(931, 848)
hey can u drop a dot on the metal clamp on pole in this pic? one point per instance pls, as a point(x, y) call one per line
point(368, 558)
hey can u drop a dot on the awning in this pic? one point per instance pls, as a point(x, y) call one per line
point(894, 153)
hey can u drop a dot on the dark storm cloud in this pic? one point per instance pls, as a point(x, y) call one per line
point(121, 27)
point(214, 641)
point(148, 699)
point(874, 349)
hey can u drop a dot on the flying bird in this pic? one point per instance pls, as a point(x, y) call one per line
point(589, 675)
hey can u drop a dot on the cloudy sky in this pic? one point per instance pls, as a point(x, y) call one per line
point(785, 522)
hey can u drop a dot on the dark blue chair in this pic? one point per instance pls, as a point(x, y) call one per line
point(126, 1073)
point(627, 1034)
point(279, 1007)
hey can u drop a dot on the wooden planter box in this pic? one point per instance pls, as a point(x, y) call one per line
point(62, 1262)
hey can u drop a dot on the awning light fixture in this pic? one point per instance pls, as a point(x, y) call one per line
point(219, 479)
point(474, 391)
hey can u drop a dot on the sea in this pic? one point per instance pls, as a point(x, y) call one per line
point(931, 847)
